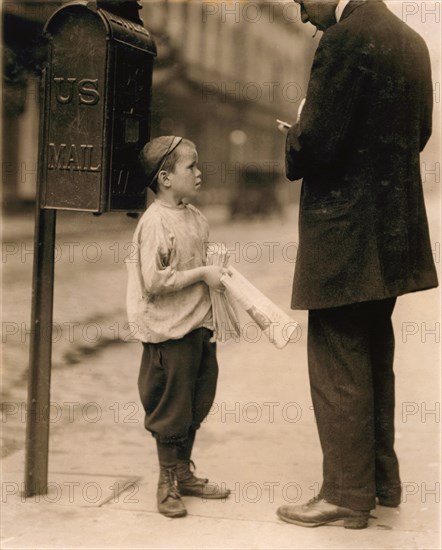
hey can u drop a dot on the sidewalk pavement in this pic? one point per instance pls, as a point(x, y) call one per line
point(260, 440)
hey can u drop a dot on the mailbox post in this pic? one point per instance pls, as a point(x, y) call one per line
point(95, 117)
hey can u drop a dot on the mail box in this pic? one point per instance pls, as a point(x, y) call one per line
point(96, 112)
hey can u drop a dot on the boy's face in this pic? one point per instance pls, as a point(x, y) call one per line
point(185, 180)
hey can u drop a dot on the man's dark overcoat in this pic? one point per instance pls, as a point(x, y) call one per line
point(363, 227)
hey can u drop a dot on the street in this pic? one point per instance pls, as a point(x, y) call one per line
point(260, 438)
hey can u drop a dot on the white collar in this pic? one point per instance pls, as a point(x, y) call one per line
point(340, 9)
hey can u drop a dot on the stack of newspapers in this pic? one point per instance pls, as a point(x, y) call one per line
point(225, 316)
point(279, 327)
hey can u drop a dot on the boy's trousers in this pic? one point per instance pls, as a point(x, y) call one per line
point(177, 384)
point(350, 351)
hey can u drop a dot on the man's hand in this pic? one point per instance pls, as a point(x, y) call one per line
point(283, 129)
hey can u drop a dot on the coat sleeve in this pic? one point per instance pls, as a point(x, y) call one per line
point(318, 138)
point(427, 100)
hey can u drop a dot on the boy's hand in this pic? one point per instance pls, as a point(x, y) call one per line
point(212, 276)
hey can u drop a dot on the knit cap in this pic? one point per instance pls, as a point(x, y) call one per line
point(154, 154)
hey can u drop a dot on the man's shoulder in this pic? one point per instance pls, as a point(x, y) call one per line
point(344, 37)
point(370, 18)
point(371, 29)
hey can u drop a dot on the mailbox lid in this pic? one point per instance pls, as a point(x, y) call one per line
point(128, 32)
point(116, 27)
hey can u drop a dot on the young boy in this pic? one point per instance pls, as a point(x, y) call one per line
point(168, 302)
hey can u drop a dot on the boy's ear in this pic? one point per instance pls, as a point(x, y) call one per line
point(163, 178)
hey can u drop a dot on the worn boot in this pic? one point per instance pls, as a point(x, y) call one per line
point(168, 497)
point(192, 486)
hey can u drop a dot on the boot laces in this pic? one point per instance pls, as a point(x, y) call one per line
point(169, 478)
point(188, 469)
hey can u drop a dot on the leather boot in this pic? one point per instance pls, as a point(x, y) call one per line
point(168, 498)
point(192, 486)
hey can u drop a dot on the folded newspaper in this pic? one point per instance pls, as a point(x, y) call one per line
point(279, 327)
point(225, 316)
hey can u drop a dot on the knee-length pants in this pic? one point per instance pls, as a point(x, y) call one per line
point(177, 384)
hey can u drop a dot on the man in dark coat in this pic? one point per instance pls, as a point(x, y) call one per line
point(364, 241)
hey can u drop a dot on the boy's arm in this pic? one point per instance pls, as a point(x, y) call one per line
point(158, 276)
point(209, 274)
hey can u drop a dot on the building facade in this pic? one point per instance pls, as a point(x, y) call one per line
point(225, 71)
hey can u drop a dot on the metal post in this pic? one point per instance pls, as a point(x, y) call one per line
point(37, 427)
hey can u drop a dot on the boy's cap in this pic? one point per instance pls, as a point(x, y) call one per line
point(154, 155)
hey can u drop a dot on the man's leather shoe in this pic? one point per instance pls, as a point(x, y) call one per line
point(168, 498)
point(192, 486)
point(318, 512)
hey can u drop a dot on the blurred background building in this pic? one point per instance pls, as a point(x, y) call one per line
point(225, 71)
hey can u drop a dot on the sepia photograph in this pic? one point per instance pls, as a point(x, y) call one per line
point(220, 275)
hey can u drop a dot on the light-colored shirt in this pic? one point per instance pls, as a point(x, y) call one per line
point(167, 241)
point(340, 9)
